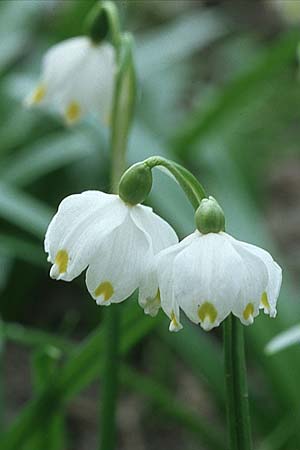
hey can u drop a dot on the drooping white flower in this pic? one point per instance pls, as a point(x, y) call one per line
point(113, 240)
point(211, 275)
point(77, 78)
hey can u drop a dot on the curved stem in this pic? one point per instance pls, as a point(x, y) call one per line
point(113, 20)
point(236, 386)
point(190, 185)
point(122, 113)
point(103, 19)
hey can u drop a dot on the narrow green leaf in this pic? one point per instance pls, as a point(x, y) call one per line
point(161, 397)
point(284, 340)
point(230, 99)
point(191, 32)
point(46, 155)
point(279, 436)
point(82, 367)
point(2, 376)
point(22, 248)
point(44, 364)
point(33, 337)
point(141, 384)
point(23, 211)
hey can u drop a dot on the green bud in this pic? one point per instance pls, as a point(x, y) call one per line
point(97, 24)
point(210, 217)
point(135, 184)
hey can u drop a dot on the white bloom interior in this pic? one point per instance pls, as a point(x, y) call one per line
point(116, 242)
point(210, 276)
point(77, 78)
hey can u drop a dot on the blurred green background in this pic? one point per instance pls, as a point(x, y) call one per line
point(219, 92)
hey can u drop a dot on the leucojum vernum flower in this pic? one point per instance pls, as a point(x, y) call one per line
point(114, 240)
point(210, 274)
point(126, 246)
point(77, 79)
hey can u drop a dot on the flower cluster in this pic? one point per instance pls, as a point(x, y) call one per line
point(125, 246)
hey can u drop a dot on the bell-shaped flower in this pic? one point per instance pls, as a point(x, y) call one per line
point(113, 240)
point(77, 78)
point(210, 275)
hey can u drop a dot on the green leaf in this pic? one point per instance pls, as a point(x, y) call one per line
point(191, 32)
point(22, 248)
point(48, 154)
point(156, 393)
point(284, 340)
point(239, 91)
point(45, 365)
point(34, 338)
point(24, 211)
point(14, 20)
point(81, 368)
point(167, 402)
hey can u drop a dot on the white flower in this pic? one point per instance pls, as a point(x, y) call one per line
point(113, 240)
point(77, 78)
point(211, 275)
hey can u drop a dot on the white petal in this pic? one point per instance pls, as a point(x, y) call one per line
point(60, 61)
point(115, 270)
point(93, 86)
point(269, 298)
point(159, 231)
point(205, 281)
point(149, 296)
point(164, 267)
point(160, 235)
point(253, 275)
point(77, 229)
point(60, 64)
point(78, 77)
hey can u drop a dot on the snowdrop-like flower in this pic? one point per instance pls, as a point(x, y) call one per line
point(114, 240)
point(77, 78)
point(210, 275)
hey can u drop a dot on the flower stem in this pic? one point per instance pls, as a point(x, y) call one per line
point(110, 380)
point(190, 185)
point(122, 112)
point(2, 380)
point(238, 417)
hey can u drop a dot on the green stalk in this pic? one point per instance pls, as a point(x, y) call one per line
point(2, 383)
point(238, 417)
point(110, 380)
point(190, 185)
point(243, 419)
point(229, 381)
point(121, 119)
point(44, 363)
